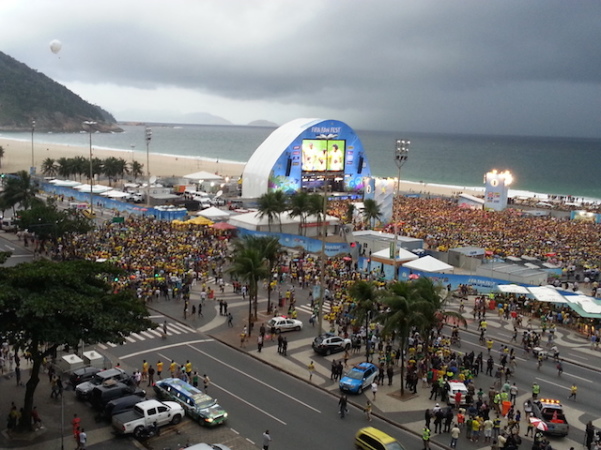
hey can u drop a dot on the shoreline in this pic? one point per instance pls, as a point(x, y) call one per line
point(18, 154)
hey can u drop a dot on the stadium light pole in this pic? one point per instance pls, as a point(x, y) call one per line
point(90, 125)
point(401, 153)
point(148, 134)
point(32, 169)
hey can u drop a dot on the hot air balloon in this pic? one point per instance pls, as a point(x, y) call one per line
point(55, 46)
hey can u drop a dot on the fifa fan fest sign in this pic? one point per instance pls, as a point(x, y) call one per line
point(496, 189)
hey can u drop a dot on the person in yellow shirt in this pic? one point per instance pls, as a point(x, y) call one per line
point(173, 368)
point(159, 368)
point(489, 345)
point(573, 392)
point(188, 368)
point(145, 366)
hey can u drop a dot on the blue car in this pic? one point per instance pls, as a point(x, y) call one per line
point(358, 378)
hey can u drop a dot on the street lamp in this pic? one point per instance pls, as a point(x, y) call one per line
point(324, 230)
point(401, 153)
point(90, 125)
point(148, 133)
point(32, 169)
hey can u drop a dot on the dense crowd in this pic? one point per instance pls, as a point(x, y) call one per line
point(443, 225)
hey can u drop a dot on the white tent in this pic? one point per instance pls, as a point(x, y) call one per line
point(214, 213)
point(203, 176)
point(115, 194)
point(547, 294)
point(402, 255)
point(429, 264)
point(65, 183)
point(513, 289)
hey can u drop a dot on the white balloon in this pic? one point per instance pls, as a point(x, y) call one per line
point(55, 46)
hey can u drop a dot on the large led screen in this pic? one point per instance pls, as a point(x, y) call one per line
point(323, 155)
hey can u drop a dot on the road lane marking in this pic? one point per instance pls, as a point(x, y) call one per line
point(579, 378)
point(147, 334)
point(554, 384)
point(248, 403)
point(254, 378)
point(198, 341)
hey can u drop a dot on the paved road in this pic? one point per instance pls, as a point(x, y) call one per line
point(267, 390)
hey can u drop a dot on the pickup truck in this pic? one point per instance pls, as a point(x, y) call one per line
point(145, 414)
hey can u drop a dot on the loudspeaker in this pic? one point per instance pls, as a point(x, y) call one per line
point(288, 167)
point(360, 165)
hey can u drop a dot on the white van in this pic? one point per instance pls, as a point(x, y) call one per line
point(9, 224)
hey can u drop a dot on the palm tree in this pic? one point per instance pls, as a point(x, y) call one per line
point(405, 310)
point(272, 204)
point(371, 211)
point(64, 167)
point(136, 169)
point(316, 206)
point(300, 207)
point(250, 266)
point(112, 168)
point(18, 190)
point(49, 167)
point(365, 295)
point(270, 250)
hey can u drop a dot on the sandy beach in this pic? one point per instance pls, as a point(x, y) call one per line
point(17, 156)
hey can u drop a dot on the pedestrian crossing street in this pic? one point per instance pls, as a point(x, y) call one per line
point(173, 328)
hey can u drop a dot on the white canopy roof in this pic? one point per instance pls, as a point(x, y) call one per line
point(513, 289)
point(203, 176)
point(547, 294)
point(96, 189)
point(64, 183)
point(429, 264)
point(214, 213)
point(589, 304)
point(402, 254)
point(115, 194)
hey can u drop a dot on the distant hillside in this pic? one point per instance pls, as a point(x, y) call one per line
point(27, 95)
point(262, 123)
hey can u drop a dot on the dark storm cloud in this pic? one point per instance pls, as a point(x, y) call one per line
point(527, 67)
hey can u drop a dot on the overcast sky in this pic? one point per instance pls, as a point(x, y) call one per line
point(524, 67)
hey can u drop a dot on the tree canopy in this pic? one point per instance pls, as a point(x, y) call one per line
point(44, 305)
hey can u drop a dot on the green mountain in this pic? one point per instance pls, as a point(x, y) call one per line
point(27, 95)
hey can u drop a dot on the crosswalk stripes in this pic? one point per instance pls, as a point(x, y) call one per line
point(173, 329)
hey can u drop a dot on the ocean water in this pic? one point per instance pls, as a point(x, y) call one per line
point(540, 165)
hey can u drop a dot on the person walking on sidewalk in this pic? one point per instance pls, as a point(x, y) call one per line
point(311, 368)
point(426, 433)
point(230, 320)
point(368, 408)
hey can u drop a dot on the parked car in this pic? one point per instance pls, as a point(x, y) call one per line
point(198, 405)
point(328, 343)
point(358, 378)
point(82, 375)
point(84, 390)
point(452, 387)
point(282, 324)
point(146, 414)
point(120, 405)
point(111, 390)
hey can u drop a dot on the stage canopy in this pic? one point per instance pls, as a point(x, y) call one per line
point(383, 256)
point(429, 264)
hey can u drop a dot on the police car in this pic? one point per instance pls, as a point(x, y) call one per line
point(358, 378)
point(550, 411)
